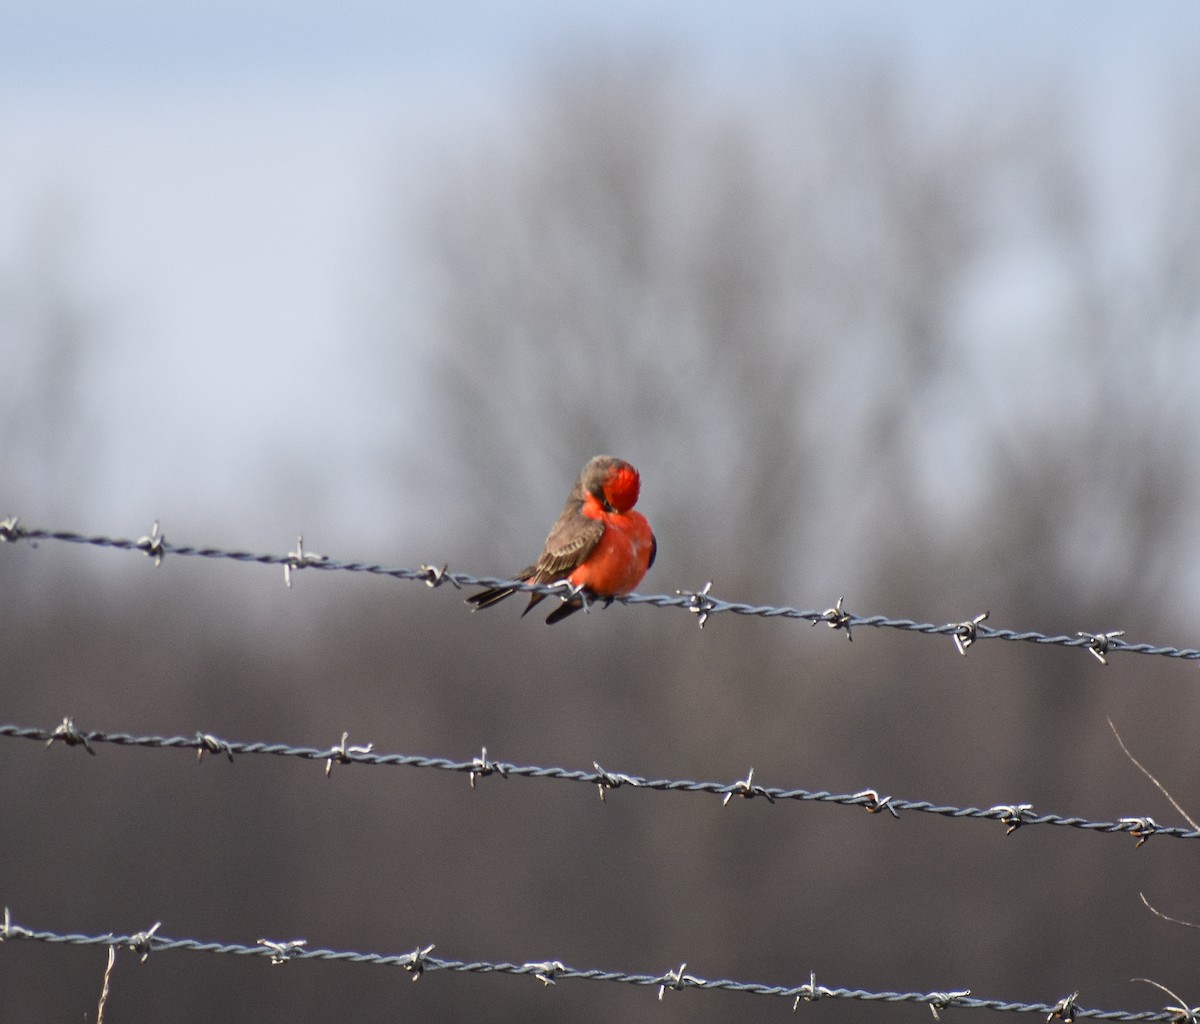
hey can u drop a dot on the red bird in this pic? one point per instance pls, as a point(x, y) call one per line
point(600, 545)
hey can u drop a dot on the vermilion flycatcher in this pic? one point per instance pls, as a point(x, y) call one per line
point(600, 545)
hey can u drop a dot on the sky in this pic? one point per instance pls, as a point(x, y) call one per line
point(223, 188)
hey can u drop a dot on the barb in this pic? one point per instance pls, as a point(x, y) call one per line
point(415, 961)
point(610, 780)
point(296, 560)
point(700, 603)
point(282, 952)
point(1014, 816)
point(71, 736)
point(339, 754)
point(152, 544)
point(553, 971)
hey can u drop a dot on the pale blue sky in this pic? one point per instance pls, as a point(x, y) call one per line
point(59, 43)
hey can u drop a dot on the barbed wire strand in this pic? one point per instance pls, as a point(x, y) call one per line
point(700, 603)
point(549, 972)
point(1012, 816)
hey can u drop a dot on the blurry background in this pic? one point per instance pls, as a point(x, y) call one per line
point(896, 301)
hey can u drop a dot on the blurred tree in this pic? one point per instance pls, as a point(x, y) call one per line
point(784, 320)
point(45, 331)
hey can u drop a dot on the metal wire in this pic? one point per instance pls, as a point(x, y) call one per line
point(700, 603)
point(550, 972)
point(1012, 816)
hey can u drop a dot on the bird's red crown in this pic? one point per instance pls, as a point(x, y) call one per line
point(622, 487)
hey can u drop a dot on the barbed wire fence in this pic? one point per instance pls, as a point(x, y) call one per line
point(700, 603)
point(1012, 816)
point(549, 972)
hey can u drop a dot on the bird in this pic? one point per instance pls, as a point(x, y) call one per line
point(600, 547)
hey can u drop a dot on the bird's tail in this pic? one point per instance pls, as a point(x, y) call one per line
point(487, 598)
point(494, 595)
point(569, 605)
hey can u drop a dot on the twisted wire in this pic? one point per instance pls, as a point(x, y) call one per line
point(549, 972)
point(1013, 816)
point(701, 603)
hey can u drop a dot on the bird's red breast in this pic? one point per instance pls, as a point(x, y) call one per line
point(622, 554)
